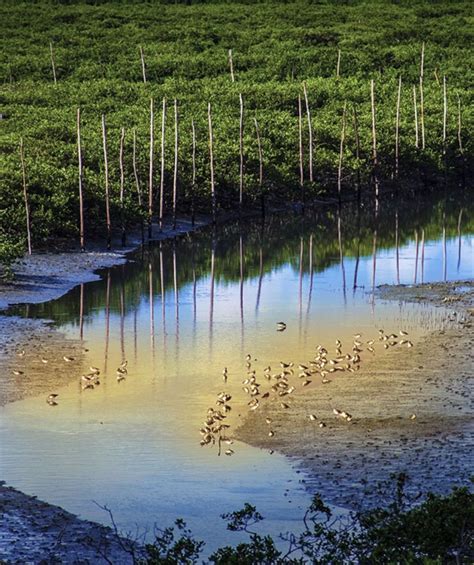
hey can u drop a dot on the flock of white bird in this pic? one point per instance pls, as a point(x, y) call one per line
point(281, 383)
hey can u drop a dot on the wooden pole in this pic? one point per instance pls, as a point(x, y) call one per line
point(338, 65)
point(445, 114)
point(81, 200)
point(310, 132)
point(175, 171)
point(415, 108)
point(142, 57)
point(106, 173)
point(231, 66)
point(137, 181)
point(122, 186)
point(422, 114)
point(357, 142)
point(300, 134)
point(52, 62)
point(341, 152)
point(25, 195)
point(461, 151)
point(150, 172)
point(422, 104)
point(193, 182)
point(374, 143)
point(241, 152)
point(260, 168)
point(211, 158)
point(397, 127)
point(162, 178)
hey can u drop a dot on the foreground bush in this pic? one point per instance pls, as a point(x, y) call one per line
point(438, 530)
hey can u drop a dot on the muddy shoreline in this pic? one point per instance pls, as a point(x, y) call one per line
point(412, 411)
point(343, 461)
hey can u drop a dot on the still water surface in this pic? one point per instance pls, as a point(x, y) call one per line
point(180, 312)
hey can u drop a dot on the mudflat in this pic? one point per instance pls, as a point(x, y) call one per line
point(411, 410)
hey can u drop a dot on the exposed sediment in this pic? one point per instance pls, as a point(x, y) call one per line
point(412, 411)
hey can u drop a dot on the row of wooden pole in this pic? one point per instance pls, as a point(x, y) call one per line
point(241, 158)
point(232, 73)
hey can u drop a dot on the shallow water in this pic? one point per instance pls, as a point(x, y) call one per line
point(180, 313)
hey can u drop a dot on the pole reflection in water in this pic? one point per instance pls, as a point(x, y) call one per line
point(158, 462)
point(260, 278)
point(81, 313)
point(211, 294)
point(341, 253)
point(122, 317)
point(311, 273)
point(163, 293)
point(397, 247)
point(459, 238)
point(422, 255)
point(356, 268)
point(176, 293)
point(241, 262)
point(445, 265)
point(107, 320)
point(374, 264)
point(152, 307)
point(415, 276)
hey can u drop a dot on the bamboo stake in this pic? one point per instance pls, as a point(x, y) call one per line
point(445, 114)
point(310, 132)
point(25, 195)
point(106, 172)
point(52, 62)
point(357, 141)
point(341, 152)
point(422, 104)
point(150, 173)
point(211, 158)
point(162, 178)
point(422, 114)
point(142, 57)
point(300, 133)
point(417, 141)
point(459, 127)
point(122, 186)
point(374, 142)
point(193, 183)
point(397, 127)
point(241, 152)
point(175, 172)
point(81, 201)
point(260, 154)
point(338, 65)
point(231, 65)
point(260, 168)
point(137, 181)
